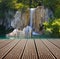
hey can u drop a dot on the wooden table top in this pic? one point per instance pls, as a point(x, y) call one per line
point(30, 49)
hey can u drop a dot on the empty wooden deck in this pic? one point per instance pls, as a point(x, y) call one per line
point(30, 49)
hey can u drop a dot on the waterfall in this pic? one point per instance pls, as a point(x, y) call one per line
point(16, 21)
point(32, 11)
point(31, 16)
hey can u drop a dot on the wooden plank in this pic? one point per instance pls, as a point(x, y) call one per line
point(4, 43)
point(55, 42)
point(7, 48)
point(30, 52)
point(58, 40)
point(53, 49)
point(43, 52)
point(16, 51)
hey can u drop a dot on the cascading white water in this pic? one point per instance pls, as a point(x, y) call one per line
point(16, 24)
point(17, 21)
point(28, 29)
point(32, 10)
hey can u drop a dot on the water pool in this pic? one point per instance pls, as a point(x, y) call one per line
point(33, 37)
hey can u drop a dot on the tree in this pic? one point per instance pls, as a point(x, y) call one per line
point(54, 5)
point(31, 3)
point(52, 28)
point(5, 7)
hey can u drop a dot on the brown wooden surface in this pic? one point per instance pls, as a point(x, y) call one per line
point(30, 52)
point(55, 42)
point(54, 50)
point(30, 49)
point(43, 51)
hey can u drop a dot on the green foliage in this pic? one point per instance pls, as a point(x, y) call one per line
point(54, 5)
point(6, 5)
point(30, 3)
point(23, 4)
point(57, 11)
point(50, 4)
point(53, 28)
point(10, 4)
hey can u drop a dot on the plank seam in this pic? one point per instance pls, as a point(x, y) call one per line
point(20, 57)
point(36, 49)
point(54, 44)
point(9, 50)
point(6, 44)
point(49, 50)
